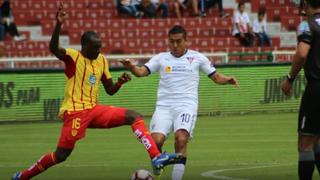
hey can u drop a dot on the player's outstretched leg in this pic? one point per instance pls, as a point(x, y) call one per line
point(43, 163)
point(159, 160)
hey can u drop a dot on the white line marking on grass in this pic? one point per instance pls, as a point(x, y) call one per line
point(214, 173)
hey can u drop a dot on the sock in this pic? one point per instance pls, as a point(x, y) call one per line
point(143, 134)
point(306, 165)
point(317, 156)
point(41, 165)
point(178, 171)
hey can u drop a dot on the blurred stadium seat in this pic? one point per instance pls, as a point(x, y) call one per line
point(136, 36)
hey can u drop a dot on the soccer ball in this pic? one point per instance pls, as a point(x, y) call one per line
point(142, 174)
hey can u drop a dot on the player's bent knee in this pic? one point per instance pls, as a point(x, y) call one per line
point(181, 139)
point(131, 116)
point(181, 136)
point(62, 154)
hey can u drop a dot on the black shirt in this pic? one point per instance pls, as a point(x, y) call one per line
point(312, 37)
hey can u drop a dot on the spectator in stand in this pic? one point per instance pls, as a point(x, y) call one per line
point(207, 4)
point(8, 21)
point(162, 6)
point(260, 29)
point(128, 7)
point(148, 8)
point(185, 4)
point(242, 28)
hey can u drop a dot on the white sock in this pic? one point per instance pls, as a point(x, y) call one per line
point(178, 171)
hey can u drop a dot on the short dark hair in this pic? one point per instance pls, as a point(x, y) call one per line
point(87, 36)
point(241, 3)
point(313, 3)
point(262, 11)
point(177, 30)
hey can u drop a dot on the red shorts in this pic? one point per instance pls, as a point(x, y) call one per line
point(76, 123)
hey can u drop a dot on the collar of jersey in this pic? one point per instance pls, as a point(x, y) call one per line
point(181, 55)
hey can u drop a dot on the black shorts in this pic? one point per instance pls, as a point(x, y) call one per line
point(309, 114)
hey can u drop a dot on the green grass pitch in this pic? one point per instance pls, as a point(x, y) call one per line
point(256, 147)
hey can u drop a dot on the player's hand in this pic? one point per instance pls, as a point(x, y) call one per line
point(233, 81)
point(286, 87)
point(127, 63)
point(61, 14)
point(124, 78)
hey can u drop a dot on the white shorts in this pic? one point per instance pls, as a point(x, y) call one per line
point(166, 120)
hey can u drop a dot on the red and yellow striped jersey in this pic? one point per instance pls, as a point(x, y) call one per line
point(83, 77)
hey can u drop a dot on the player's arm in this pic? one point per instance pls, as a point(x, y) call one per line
point(58, 51)
point(110, 87)
point(220, 78)
point(297, 63)
point(299, 58)
point(138, 71)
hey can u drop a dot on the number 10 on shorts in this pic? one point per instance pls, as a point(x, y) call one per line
point(186, 118)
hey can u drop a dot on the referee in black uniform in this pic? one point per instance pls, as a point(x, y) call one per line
point(308, 56)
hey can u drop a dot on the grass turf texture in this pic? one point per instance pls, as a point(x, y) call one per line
point(260, 147)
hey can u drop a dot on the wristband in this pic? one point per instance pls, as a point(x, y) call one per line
point(290, 78)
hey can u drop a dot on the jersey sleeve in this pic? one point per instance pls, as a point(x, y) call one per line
point(237, 18)
point(153, 65)
point(304, 34)
point(315, 25)
point(70, 54)
point(247, 19)
point(106, 71)
point(255, 26)
point(70, 59)
point(206, 66)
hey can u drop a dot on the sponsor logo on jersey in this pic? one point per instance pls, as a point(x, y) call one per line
point(168, 69)
point(180, 69)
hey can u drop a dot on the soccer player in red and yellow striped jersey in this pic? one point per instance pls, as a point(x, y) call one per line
point(84, 70)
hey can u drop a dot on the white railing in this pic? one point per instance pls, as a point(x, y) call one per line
point(279, 55)
point(217, 58)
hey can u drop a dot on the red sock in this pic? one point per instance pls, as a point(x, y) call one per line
point(41, 165)
point(143, 134)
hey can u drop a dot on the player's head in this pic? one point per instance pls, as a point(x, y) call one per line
point(261, 13)
point(241, 6)
point(315, 4)
point(310, 6)
point(177, 41)
point(90, 45)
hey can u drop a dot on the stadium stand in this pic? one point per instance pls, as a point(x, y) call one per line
point(36, 19)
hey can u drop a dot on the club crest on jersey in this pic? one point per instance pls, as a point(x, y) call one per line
point(74, 132)
point(190, 59)
point(168, 69)
point(92, 79)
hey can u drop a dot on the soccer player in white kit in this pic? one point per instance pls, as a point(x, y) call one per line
point(177, 100)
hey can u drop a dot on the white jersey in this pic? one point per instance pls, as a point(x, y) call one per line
point(259, 26)
point(243, 20)
point(179, 77)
